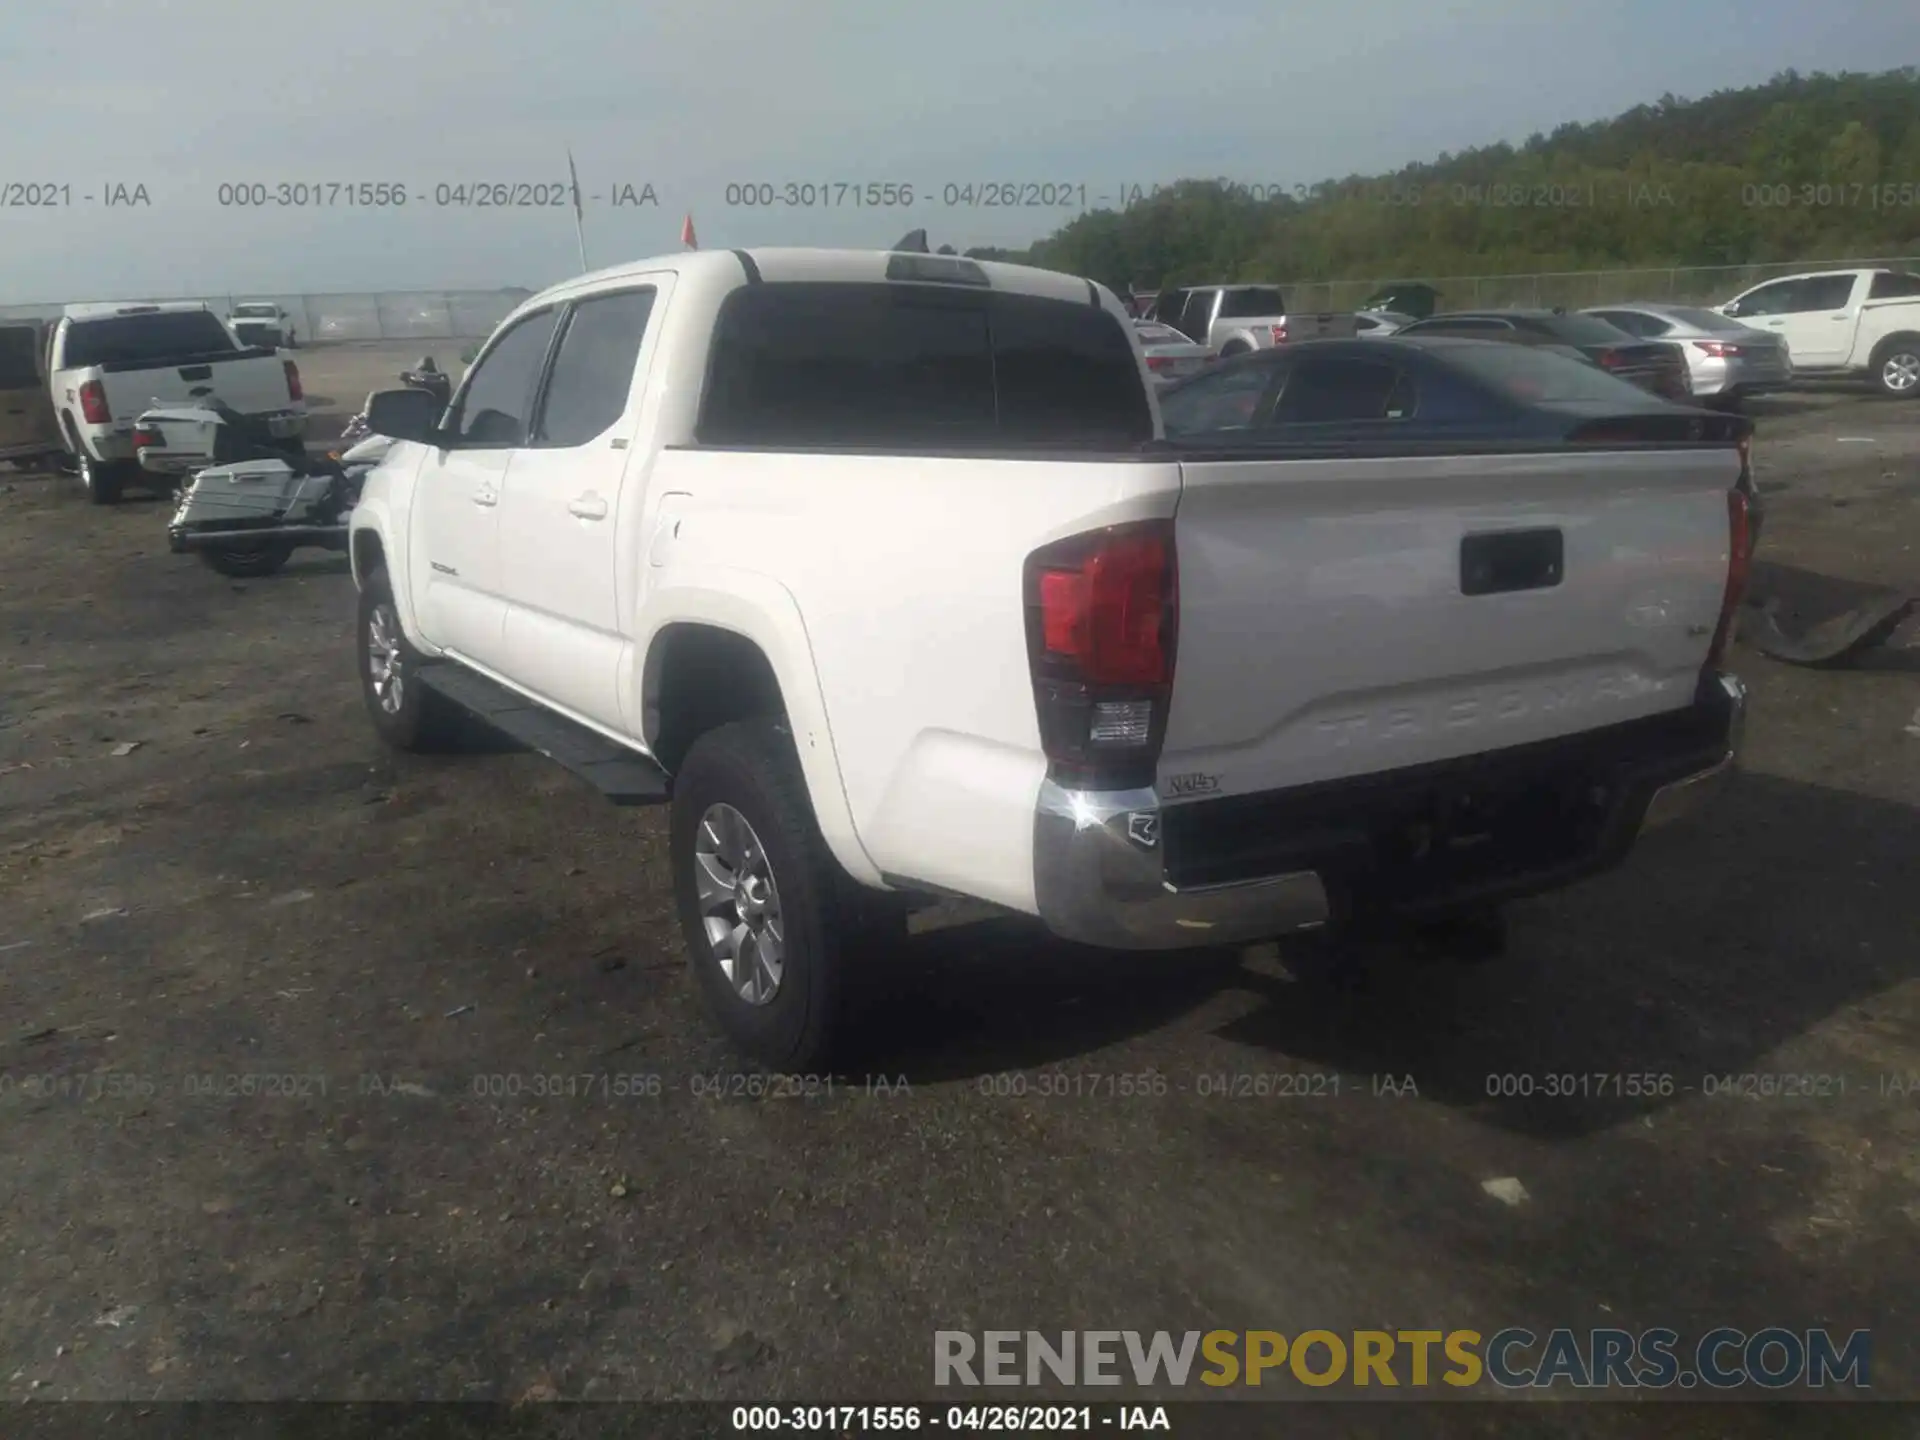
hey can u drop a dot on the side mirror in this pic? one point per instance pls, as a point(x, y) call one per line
point(405, 415)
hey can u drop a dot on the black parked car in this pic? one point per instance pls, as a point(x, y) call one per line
point(1411, 396)
point(1653, 365)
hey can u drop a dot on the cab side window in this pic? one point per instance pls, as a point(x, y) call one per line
point(593, 368)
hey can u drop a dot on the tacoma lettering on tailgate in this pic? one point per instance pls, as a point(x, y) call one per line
point(1404, 721)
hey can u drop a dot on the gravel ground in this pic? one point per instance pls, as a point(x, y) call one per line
point(256, 889)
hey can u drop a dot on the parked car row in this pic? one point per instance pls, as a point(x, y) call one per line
point(1836, 324)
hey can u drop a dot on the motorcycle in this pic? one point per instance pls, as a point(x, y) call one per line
point(248, 501)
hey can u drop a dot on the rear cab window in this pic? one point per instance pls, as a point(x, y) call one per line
point(158, 336)
point(894, 364)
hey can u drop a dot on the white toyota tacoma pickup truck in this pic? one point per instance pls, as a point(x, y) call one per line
point(108, 363)
point(877, 568)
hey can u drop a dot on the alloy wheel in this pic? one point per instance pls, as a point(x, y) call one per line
point(740, 904)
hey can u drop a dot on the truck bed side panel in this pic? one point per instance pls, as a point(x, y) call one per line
point(907, 574)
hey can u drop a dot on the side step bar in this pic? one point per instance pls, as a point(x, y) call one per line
point(624, 776)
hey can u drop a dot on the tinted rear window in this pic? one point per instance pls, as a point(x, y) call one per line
point(1704, 319)
point(1261, 300)
point(134, 338)
point(17, 368)
point(863, 365)
point(1578, 329)
point(1539, 376)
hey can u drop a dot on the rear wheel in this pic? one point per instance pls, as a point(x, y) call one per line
point(775, 931)
point(101, 479)
point(1896, 368)
point(262, 557)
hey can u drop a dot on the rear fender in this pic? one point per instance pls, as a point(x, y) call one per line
point(765, 612)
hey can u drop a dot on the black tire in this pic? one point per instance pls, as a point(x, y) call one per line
point(1896, 368)
point(405, 714)
point(244, 562)
point(809, 1022)
point(102, 480)
point(1228, 351)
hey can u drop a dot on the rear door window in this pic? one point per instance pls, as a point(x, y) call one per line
point(1824, 292)
point(1894, 286)
point(593, 369)
point(1328, 390)
point(1259, 300)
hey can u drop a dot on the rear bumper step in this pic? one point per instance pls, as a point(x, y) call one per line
point(1118, 869)
point(623, 776)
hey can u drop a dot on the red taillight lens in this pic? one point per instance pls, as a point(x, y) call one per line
point(93, 404)
point(1101, 621)
point(1610, 359)
point(294, 391)
point(1718, 349)
point(1106, 613)
point(143, 439)
point(1279, 334)
point(1739, 560)
point(1159, 362)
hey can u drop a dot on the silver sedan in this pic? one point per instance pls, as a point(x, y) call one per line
point(1726, 360)
point(1171, 356)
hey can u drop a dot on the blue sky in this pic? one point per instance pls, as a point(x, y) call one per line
point(182, 96)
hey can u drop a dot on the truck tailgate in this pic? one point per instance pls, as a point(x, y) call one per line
point(1326, 629)
point(251, 384)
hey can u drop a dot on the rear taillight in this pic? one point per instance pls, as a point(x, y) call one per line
point(144, 439)
point(1159, 362)
point(1718, 349)
point(1279, 333)
point(294, 392)
point(1610, 359)
point(93, 404)
point(1739, 558)
point(1101, 621)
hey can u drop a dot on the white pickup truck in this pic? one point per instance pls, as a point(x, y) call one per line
point(1842, 323)
point(866, 563)
point(108, 363)
point(1238, 319)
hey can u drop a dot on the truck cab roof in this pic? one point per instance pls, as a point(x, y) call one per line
point(724, 270)
point(110, 309)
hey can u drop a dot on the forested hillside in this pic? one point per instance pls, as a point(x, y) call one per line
point(1802, 167)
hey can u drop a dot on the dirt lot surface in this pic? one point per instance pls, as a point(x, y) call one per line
point(256, 889)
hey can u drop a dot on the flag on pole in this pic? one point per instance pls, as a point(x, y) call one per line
point(686, 233)
point(579, 211)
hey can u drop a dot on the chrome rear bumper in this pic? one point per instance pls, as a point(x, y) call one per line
point(1100, 869)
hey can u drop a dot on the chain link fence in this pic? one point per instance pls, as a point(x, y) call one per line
point(472, 314)
point(372, 315)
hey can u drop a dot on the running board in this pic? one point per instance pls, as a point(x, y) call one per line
point(624, 776)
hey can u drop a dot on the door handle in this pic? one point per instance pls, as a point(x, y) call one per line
point(486, 495)
point(588, 507)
